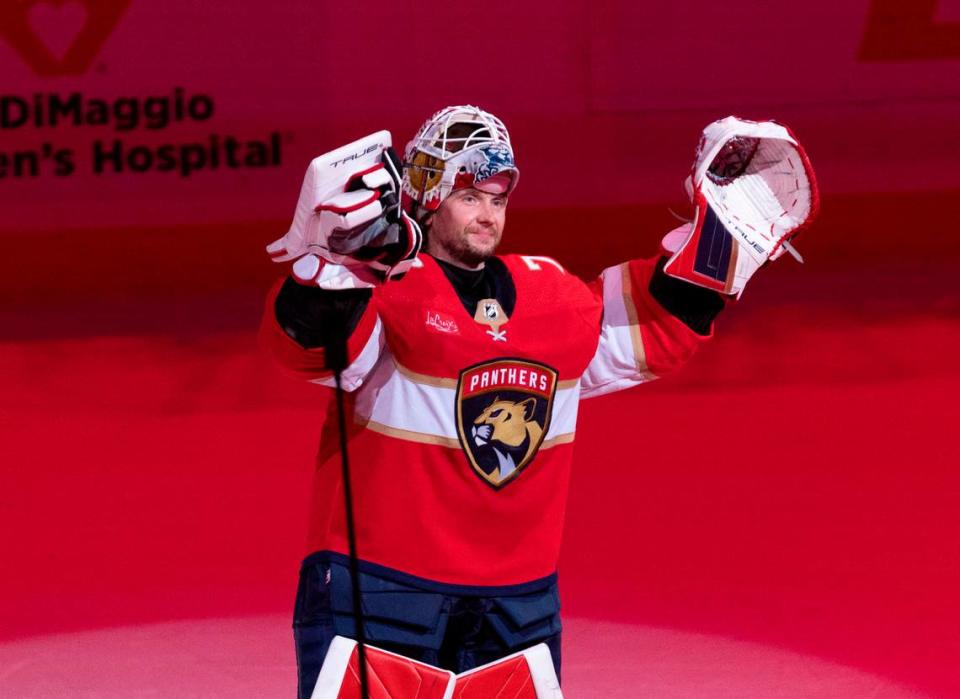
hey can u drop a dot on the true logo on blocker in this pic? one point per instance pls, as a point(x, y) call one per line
point(59, 37)
point(503, 413)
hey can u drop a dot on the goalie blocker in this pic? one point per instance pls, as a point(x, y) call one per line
point(754, 189)
point(348, 230)
point(528, 674)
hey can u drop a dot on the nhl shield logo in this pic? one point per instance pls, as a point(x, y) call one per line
point(503, 412)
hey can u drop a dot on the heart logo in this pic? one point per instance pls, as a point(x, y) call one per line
point(59, 37)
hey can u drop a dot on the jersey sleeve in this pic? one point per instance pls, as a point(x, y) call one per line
point(640, 340)
point(302, 325)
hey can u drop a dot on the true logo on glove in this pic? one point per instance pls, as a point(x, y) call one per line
point(503, 413)
point(375, 148)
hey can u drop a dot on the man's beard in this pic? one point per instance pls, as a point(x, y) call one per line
point(461, 250)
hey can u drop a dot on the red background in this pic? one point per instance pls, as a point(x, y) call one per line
point(796, 485)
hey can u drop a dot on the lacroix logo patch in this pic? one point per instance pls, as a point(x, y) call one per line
point(440, 323)
point(59, 37)
point(503, 413)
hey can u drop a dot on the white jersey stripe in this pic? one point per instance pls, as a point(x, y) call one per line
point(385, 406)
point(426, 379)
point(620, 361)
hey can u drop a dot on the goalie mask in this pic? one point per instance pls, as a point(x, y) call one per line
point(456, 148)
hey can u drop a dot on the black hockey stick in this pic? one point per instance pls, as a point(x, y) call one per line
point(336, 356)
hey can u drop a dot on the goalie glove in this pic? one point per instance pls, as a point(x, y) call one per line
point(754, 190)
point(348, 230)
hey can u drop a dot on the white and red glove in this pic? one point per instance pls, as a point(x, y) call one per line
point(754, 190)
point(348, 230)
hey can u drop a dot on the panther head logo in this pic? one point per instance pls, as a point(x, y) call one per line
point(509, 428)
point(503, 415)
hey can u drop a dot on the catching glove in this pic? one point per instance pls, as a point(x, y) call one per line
point(754, 190)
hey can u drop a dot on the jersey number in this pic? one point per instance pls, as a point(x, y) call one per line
point(533, 262)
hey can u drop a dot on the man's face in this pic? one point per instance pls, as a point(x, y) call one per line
point(467, 227)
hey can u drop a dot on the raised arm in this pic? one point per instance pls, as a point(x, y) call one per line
point(651, 325)
point(753, 190)
point(307, 329)
point(348, 236)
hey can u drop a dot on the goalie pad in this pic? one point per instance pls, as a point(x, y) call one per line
point(390, 676)
point(348, 230)
point(528, 674)
point(753, 189)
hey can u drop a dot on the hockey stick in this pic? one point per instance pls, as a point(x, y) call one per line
point(337, 360)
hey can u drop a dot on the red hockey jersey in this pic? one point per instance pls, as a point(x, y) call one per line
point(462, 426)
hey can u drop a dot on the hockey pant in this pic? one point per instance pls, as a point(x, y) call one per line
point(453, 627)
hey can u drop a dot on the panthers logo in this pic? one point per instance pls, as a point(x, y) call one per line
point(510, 430)
point(503, 414)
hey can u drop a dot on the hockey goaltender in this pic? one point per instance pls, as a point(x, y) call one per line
point(463, 371)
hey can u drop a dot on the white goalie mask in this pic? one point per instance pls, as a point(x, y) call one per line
point(456, 148)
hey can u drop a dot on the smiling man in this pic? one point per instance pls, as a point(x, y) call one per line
point(464, 378)
point(468, 228)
